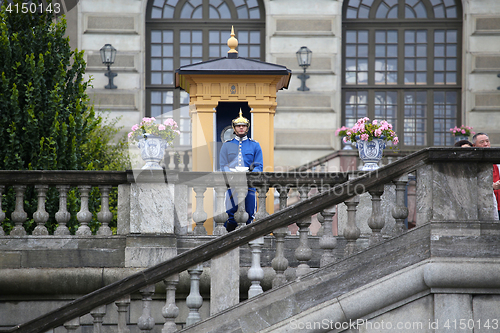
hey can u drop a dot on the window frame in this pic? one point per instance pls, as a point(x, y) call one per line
point(401, 25)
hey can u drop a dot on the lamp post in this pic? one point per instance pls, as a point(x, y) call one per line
point(304, 56)
point(108, 54)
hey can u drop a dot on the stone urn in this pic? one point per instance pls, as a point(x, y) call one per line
point(152, 150)
point(461, 137)
point(370, 152)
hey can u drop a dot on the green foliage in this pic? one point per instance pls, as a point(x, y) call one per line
point(46, 119)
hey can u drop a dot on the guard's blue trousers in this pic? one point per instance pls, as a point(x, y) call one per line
point(232, 207)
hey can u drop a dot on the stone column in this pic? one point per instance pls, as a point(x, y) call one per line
point(41, 216)
point(400, 211)
point(62, 215)
point(170, 311)
point(19, 216)
point(327, 242)
point(303, 253)
point(122, 304)
point(256, 273)
point(98, 314)
point(2, 213)
point(194, 301)
point(376, 221)
point(280, 263)
point(199, 216)
point(146, 322)
point(104, 216)
point(84, 216)
point(225, 268)
point(351, 230)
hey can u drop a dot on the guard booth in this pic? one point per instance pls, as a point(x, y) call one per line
point(217, 89)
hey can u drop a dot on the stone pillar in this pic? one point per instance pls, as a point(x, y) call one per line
point(199, 216)
point(280, 263)
point(146, 322)
point(455, 191)
point(62, 215)
point(327, 242)
point(19, 216)
point(84, 216)
point(41, 216)
point(194, 301)
point(104, 216)
point(256, 273)
point(2, 213)
point(351, 231)
point(152, 216)
point(303, 253)
point(400, 211)
point(170, 311)
point(98, 315)
point(122, 304)
point(376, 221)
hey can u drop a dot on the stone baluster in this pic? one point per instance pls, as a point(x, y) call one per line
point(262, 209)
point(146, 322)
point(194, 301)
point(256, 273)
point(104, 216)
point(84, 216)
point(171, 164)
point(72, 325)
point(351, 230)
point(280, 263)
point(170, 311)
point(376, 221)
point(199, 216)
point(303, 253)
point(41, 216)
point(122, 304)
point(190, 160)
point(220, 216)
point(182, 161)
point(241, 215)
point(98, 315)
point(400, 211)
point(19, 216)
point(2, 213)
point(62, 216)
point(327, 242)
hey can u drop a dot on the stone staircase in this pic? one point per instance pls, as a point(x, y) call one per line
point(443, 272)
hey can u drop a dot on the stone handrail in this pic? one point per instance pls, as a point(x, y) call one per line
point(224, 243)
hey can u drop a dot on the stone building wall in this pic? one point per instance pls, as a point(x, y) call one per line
point(305, 121)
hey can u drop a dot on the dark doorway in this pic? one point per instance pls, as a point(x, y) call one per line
point(226, 112)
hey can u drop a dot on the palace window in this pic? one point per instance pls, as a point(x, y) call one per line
point(402, 63)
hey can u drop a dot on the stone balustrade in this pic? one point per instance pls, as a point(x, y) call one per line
point(153, 222)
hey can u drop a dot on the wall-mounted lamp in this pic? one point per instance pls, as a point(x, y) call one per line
point(304, 56)
point(108, 54)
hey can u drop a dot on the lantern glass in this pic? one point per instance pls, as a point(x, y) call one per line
point(108, 54)
point(304, 56)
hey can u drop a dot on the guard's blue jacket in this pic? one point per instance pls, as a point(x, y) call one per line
point(244, 152)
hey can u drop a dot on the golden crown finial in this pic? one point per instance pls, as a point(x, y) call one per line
point(232, 42)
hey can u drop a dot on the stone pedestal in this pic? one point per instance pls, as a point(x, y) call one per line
point(225, 281)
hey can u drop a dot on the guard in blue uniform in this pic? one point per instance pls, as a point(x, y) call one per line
point(240, 154)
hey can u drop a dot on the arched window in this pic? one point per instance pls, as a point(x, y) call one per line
point(402, 63)
point(182, 32)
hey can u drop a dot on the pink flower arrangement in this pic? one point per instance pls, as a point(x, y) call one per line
point(367, 131)
point(462, 131)
point(148, 126)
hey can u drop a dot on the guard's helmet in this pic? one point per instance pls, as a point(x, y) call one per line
point(241, 121)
